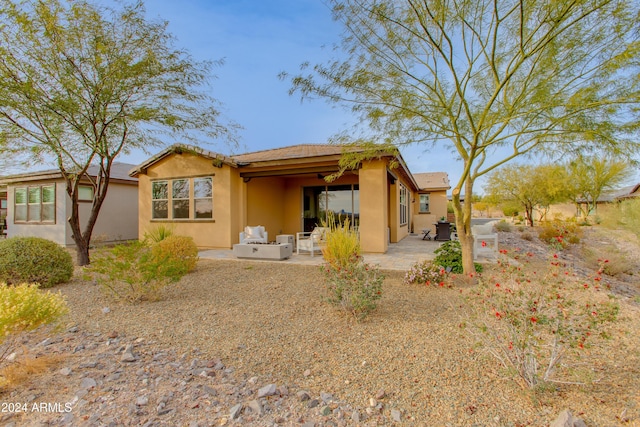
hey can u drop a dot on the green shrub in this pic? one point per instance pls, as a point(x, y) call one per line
point(158, 234)
point(34, 260)
point(449, 257)
point(503, 226)
point(355, 288)
point(137, 272)
point(172, 257)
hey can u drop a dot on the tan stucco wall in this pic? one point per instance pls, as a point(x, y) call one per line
point(265, 204)
point(228, 193)
point(437, 209)
point(374, 208)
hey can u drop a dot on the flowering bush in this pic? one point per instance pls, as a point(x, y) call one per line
point(532, 322)
point(355, 288)
point(426, 273)
point(560, 234)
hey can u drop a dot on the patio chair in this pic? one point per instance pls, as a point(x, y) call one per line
point(254, 235)
point(311, 241)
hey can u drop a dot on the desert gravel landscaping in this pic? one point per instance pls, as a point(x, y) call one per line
point(253, 343)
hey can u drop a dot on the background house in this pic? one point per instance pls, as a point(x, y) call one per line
point(38, 205)
point(212, 197)
point(430, 203)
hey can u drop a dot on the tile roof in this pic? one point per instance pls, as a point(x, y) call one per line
point(429, 180)
point(119, 171)
point(291, 152)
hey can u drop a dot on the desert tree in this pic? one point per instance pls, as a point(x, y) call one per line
point(492, 80)
point(81, 84)
point(531, 187)
point(591, 176)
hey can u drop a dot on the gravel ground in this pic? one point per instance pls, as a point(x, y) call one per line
point(208, 352)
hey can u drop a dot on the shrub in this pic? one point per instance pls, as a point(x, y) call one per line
point(342, 246)
point(427, 273)
point(449, 257)
point(25, 307)
point(502, 225)
point(560, 234)
point(172, 257)
point(532, 322)
point(137, 272)
point(158, 234)
point(34, 260)
point(355, 288)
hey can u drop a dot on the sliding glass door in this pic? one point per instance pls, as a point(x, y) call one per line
point(342, 200)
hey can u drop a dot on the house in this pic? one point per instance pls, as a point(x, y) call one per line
point(212, 197)
point(3, 202)
point(431, 199)
point(38, 205)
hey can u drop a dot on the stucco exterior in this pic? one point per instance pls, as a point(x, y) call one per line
point(117, 221)
point(273, 189)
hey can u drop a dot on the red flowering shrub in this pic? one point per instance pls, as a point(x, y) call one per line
point(531, 322)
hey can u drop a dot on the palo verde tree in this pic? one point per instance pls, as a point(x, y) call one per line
point(81, 83)
point(532, 187)
point(590, 176)
point(492, 80)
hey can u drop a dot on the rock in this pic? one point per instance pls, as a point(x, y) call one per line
point(65, 371)
point(396, 415)
point(325, 411)
point(127, 355)
point(303, 395)
point(87, 383)
point(142, 401)
point(268, 390)
point(256, 407)
point(355, 416)
point(307, 372)
point(106, 310)
point(372, 402)
point(313, 403)
point(326, 397)
point(380, 394)
point(566, 419)
point(235, 411)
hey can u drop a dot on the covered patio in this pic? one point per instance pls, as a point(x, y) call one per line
point(399, 256)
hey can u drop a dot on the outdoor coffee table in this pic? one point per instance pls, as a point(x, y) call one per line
point(275, 251)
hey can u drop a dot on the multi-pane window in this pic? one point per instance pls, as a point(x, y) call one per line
point(160, 199)
point(35, 204)
point(180, 198)
point(424, 203)
point(185, 198)
point(203, 197)
point(404, 205)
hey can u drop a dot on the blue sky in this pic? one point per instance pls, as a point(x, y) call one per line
point(257, 40)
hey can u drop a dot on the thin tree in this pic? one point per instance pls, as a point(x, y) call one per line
point(490, 79)
point(591, 176)
point(532, 187)
point(80, 84)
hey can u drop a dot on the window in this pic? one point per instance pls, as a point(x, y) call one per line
point(85, 193)
point(176, 197)
point(35, 204)
point(203, 197)
point(180, 198)
point(404, 205)
point(424, 203)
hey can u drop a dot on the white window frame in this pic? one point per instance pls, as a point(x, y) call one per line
point(404, 205)
point(38, 206)
point(428, 203)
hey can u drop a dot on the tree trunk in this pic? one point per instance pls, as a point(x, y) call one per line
point(82, 252)
point(463, 224)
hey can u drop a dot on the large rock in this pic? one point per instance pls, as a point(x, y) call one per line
point(566, 419)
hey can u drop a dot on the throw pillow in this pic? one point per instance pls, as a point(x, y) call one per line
point(253, 232)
